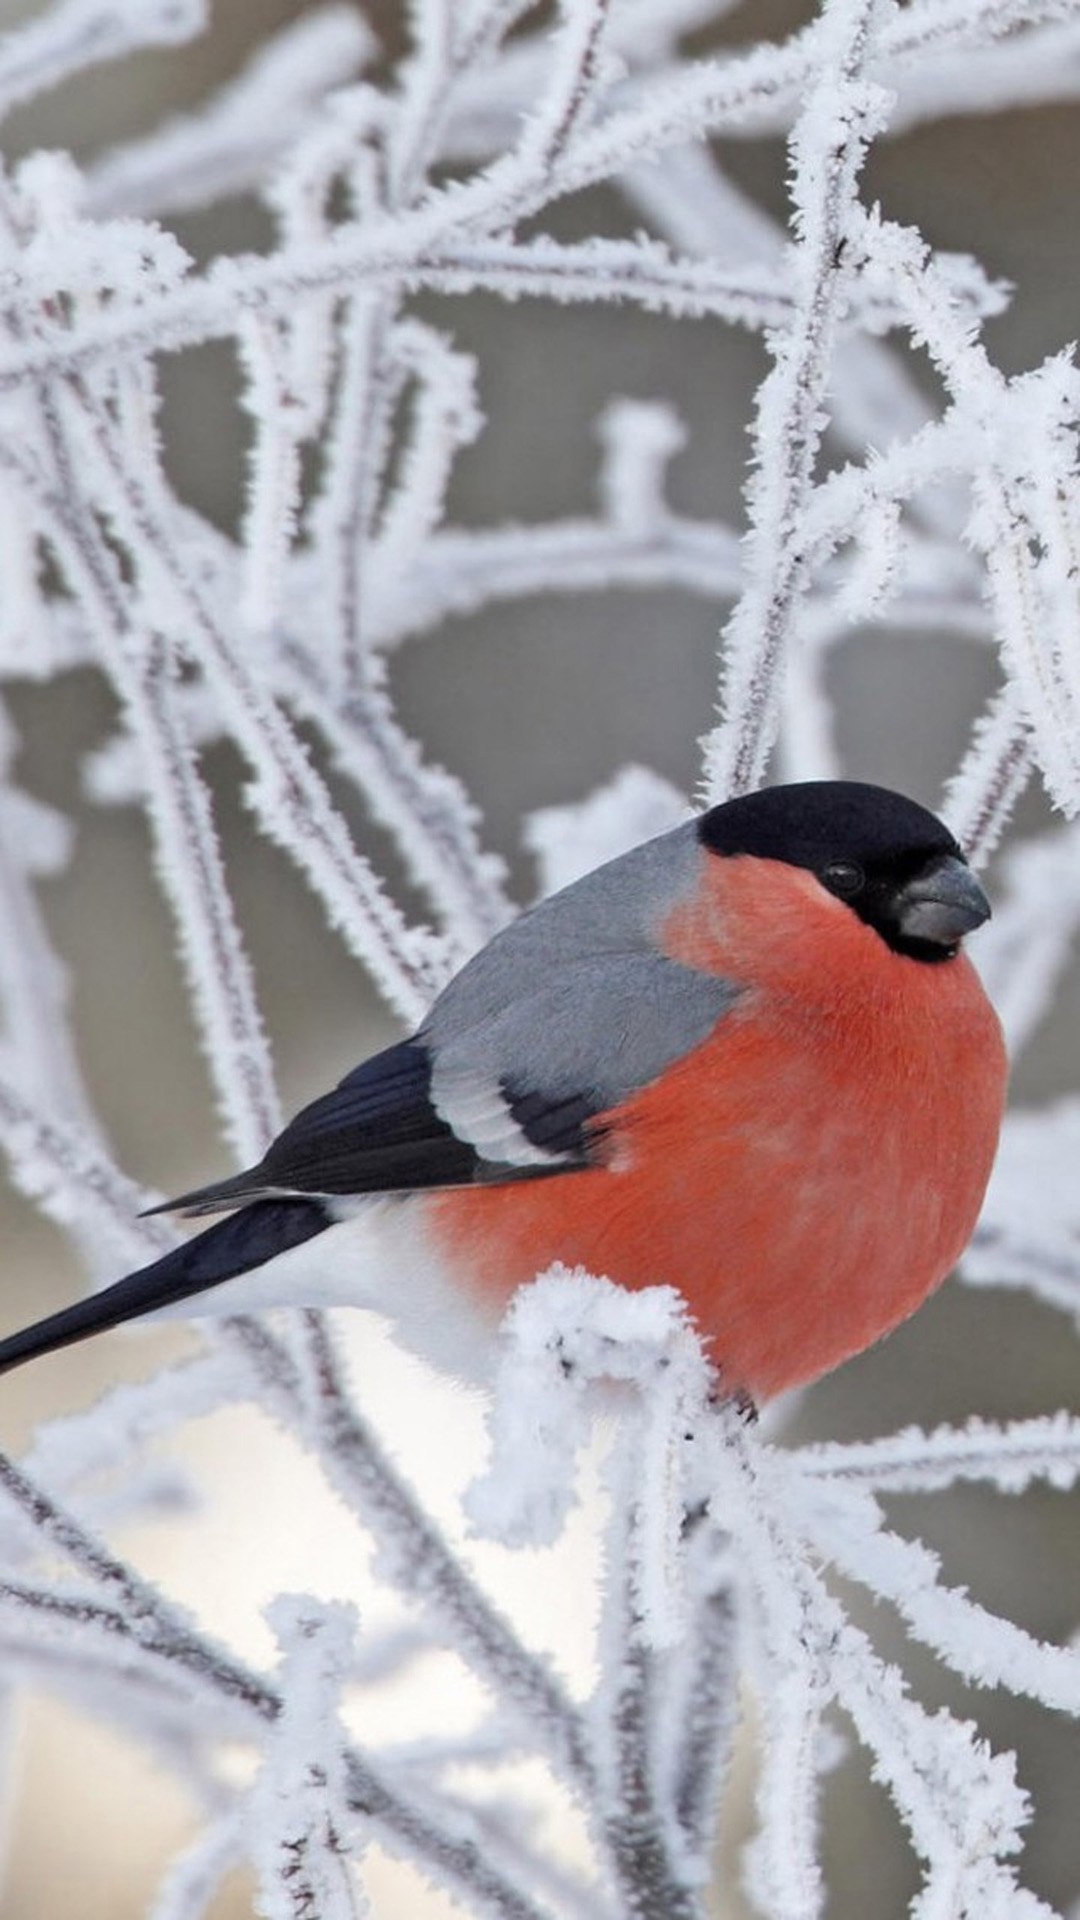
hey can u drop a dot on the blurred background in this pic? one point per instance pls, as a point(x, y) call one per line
point(532, 703)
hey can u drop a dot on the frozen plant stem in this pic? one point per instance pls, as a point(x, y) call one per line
point(396, 192)
point(827, 148)
point(426, 1570)
point(635, 1831)
point(138, 1613)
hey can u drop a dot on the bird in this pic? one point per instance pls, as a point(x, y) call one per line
point(748, 1059)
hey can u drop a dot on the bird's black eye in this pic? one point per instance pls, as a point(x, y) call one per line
point(843, 877)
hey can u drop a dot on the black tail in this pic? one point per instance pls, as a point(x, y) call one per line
point(230, 1247)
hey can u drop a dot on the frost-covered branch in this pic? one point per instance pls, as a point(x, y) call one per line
point(827, 147)
point(877, 502)
point(76, 34)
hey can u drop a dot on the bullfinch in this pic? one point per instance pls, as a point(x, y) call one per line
point(747, 1059)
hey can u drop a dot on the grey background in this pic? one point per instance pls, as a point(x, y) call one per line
point(534, 703)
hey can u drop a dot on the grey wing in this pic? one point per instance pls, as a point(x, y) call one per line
point(570, 1011)
point(562, 1016)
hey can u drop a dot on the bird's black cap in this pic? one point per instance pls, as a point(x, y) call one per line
point(815, 821)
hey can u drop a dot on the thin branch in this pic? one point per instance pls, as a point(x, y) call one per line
point(826, 153)
point(416, 1557)
point(77, 34)
point(156, 1629)
point(575, 76)
point(287, 793)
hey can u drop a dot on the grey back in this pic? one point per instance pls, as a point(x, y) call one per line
point(574, 1000)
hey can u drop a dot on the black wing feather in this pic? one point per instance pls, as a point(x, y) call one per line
point(565, 1125)
point(377, 1132)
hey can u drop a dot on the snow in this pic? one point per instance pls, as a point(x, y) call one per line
point(955, 515)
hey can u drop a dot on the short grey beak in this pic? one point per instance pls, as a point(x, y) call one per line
point(942, 904)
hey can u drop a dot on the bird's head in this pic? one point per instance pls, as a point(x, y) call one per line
point(886, 858)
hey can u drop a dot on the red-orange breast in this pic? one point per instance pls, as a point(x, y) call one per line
point(808, 1173)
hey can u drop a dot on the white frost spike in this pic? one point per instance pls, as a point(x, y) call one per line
point(846, 1524)
point(1009, 1457)
point(75, 34)
point(1033, 933)
point(24, 623)
point(781, 1873)
point(991, 777)
point(563, 1337)
point(194, 1876)
point(873, 565)
point(125, 258)
point(827, 148)
point(639, 439)
point(229, 143)
point(41, 836)
point(962, 1806)
point(273, 496)
point(1023, 465)
point(1029, 1233)
point(49, 194)
point(119, 1427)
point(661, 1436)
point(806, 749)
point(572, 83)
point(539, 1416)
point(40, 1061)
point(569, 841)
point(445, 418)
point(1024, 526)
point(298, 1810)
